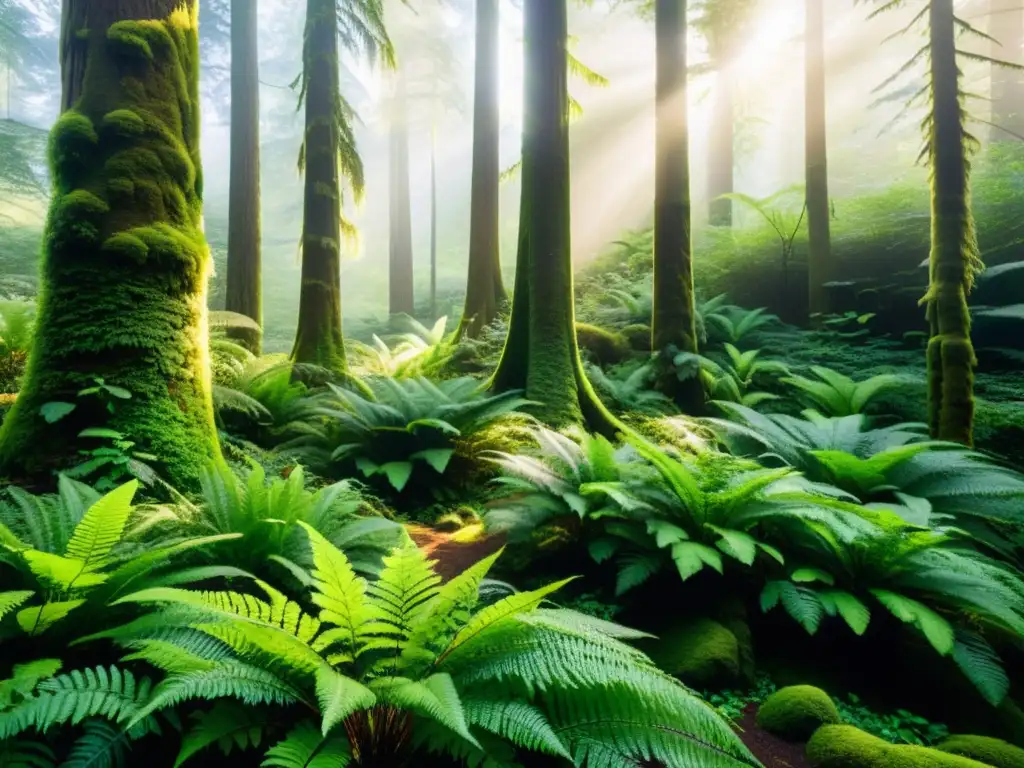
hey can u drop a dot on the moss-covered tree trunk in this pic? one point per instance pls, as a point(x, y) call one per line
point(819, 257)
point(954, 261)
point(125, 263)
point(244, 290)
point(1006, 27)
point(721, 151)
point(485, 291)
point(674, 317)
point(400, 270)
point(541, 355)
point(319, 339)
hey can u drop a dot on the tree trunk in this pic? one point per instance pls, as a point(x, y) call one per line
point(125, 265)
point(815, 137)
point(721, 152)
point(433, 223)
point(400, 283)
point(954, 257)
point(319, 339)
point(1006, 26)
point(541, 354)
point(674, 317)
point(244, 261)
point(485, 291)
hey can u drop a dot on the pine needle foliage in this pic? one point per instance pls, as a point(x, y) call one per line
point(405, 666)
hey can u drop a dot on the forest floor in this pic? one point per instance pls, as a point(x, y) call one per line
point(453, 556)
point(772, 751)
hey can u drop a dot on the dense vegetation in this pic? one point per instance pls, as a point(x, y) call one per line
point(744, 489)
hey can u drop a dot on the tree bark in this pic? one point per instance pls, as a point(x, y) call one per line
point(244, 279)
point(541, 354)
point(485, 291)
point(819, 258)
point(721, 152)
point(125, 264)
point(954, 260)
point(319, 340)
point(400, 262)
point(1006, 26)
point(674, 317)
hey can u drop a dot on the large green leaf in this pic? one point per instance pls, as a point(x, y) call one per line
point(852, 610)
point(37, 619)
point(339, 696)
point(102, 527)
point(938, 631)
point(691, 556)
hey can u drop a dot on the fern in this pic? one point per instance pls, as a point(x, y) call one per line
point(306, 747)
point(837, 395)
point(229, 725)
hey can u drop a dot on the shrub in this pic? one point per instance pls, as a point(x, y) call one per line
point(796, 712)
point(843, 746)
point(984, 749)
point(602, 346)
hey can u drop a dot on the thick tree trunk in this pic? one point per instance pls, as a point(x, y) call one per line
point(319, 338)
point(674, 318)
point(400, 269)
point(485, 291)
point(1006, 26)
point(126, 264)
point(954, 253)
point(244, 288)
point(815, 137)
point(721, 153)
point(541, 354)
point(433, 224)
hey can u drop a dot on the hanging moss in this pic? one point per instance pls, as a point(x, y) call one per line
point(125, 263)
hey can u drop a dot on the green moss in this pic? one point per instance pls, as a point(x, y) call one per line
point(843, 746)
point(124, 122)
point(638, 336)
point(127, 246)
point(605, 347)
point(702, 653)
point(994, 752)
point(796, 712)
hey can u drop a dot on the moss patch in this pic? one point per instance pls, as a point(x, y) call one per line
point(638, 336)
point(843, 746)
point(702, 653)
point(796, 712)
point(994, 752)
point(604, 347)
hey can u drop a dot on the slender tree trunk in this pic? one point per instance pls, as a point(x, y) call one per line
point(485, 291)
point(433, 223)
point(400, 284)
point(1006, 26)
point(244, 287)
point(674, 317)
point(319, 339)
point(815, 137)
point(541, 354)
point(721, 153)
point(954, 257)
point(125, 265)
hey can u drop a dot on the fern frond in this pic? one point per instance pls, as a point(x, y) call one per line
point(306, 747)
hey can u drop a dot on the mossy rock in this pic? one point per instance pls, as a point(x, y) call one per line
point(796, 712)
point(604, 347)
point(843, 746)
point(702, 653)
point(638, 336)
point(984, 749)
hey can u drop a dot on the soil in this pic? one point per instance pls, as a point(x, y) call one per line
point(453, 557)
point(772, 751)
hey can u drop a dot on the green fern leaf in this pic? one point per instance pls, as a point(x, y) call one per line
point(737, 544)
point(20, 753)
point(437, 458)
point(982, 666)
point(523, 724)
point(436, 698)
point(102, 527)
point(938, 631)
point(339, 697)
point(305, 747)
point(64, 573)
point(24, 679)
point(690, 557)
point(228, 724)
point(803, 605)
point(39, 618)
point(634, 570)
point(11, 600)
point(397, 473)
point(852, 610)
point(100, 746)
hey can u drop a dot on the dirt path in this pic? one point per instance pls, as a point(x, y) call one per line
point(772, 751)
point(453, 557)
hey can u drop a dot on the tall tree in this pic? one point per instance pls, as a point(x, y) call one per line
point(329, 157)
point(485, 291)
point(1006, 28)
point(125, 265)
point(723, 23)
point(541, 354)
point(400, 252)
point(674, 317)
point(819, 257)
point(244, 289)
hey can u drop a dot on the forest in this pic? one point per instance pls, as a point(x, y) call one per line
point(512, 383)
